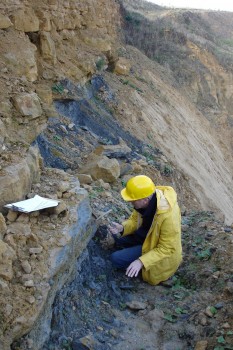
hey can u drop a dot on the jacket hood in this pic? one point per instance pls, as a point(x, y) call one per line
point(166, 198)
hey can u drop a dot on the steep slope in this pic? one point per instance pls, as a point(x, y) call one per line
point(195, 86)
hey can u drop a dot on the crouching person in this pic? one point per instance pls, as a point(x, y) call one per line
point(150, 240)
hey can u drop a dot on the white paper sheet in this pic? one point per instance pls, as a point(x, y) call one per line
point(33, 204)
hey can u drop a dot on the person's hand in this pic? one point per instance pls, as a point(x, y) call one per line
point(134, 268)
point(115, 228)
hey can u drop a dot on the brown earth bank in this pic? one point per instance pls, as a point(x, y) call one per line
point(83, 107)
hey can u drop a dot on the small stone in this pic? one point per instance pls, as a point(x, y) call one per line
point(27, 277)
point(71, 126)
point(37, 250)
point(229, 287)
point(31, 299)
point(59, 209)
point(67, 195)
point(208, 312)
point(29, 283)
point(26, 267)
point(85, 179)
point(203, 321)
point(63, 186)
point(184, 228)
point(8, 309)
point(12, 216)
point(30, 343)
point(63, 128)
point(136, 305)
point(226, 325)
point(201, 345)
point(113, 333)
point(216, 274)
point(219, 305)
point(3, 285)
point(23, 218)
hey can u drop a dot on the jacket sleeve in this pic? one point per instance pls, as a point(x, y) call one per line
point(131, 224)
point(169, 242)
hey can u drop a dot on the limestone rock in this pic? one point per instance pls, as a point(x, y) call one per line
point(63, 186)
point(85, 179)
point(47, 46)
point(7, 255)
point(28, 105)
point(12, 215)
point(45, 94)
point(18, 178)
point(61, 207)
point(122, 66)
point(26, 267)
point(5, 22)
point(36, 250)
point(26, 20)
point(101, 167)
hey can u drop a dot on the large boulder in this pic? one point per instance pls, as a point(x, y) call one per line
point(28, 105)
point(101, 167)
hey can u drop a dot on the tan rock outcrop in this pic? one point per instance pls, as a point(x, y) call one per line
point(26, 20)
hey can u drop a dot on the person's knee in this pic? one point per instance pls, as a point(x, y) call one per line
point(114, 259)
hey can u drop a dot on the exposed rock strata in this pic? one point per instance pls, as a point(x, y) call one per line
point(38, 255)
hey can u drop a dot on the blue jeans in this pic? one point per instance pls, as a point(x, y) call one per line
point(131, 251)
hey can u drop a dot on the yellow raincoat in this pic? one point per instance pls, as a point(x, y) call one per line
point(161, 250)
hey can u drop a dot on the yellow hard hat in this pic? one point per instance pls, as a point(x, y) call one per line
point(138, 187)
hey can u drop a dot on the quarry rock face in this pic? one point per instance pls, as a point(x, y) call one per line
point(42, 44)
